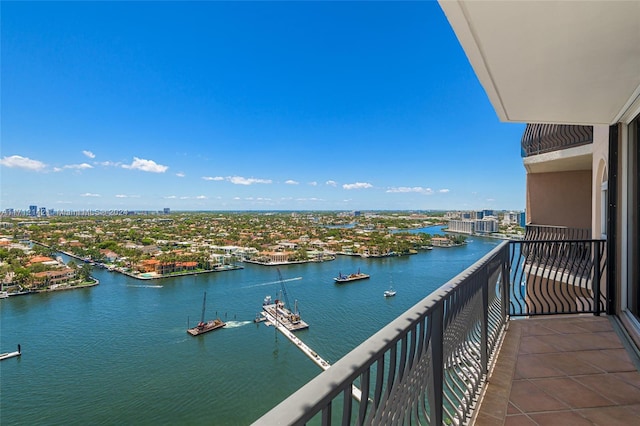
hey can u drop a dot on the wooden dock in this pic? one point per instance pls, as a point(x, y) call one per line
point(283, 327)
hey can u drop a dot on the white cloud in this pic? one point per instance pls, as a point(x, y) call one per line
point(109, 164)
point(82, 166)
point(89, 154)
point(443, 191)
point(236, 198)
point(22, 163)
point(121, 196)
point(145, 166)
point(357, 185)
point(239, 180)
point(331, 183)
point(291, 182)
point(180, 174)
point(88, 194)
point(170, 197)
point(407, 189)
point(313, 183)
point(201, 197)
point(212, 178)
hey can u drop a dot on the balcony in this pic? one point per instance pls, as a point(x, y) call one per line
point(548, 148)
point(431, 365)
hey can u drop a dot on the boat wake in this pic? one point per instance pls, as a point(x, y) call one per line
point(274, 282)
point(144, 286)
point(236, 324)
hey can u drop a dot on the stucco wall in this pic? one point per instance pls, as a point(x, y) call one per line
point(560, 198)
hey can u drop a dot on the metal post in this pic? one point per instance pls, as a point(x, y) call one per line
point(483, 275)
point(596, 278)
point(437, 365)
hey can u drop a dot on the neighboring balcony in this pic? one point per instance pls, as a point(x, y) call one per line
point(431, 365)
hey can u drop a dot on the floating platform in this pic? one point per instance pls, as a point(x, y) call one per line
point(340, 279)
point(207, 327)
point(278, 315)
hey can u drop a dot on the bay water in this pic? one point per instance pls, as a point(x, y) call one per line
point(118, 353)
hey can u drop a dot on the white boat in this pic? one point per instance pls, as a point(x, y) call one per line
point(4, 294)
point(389, 293)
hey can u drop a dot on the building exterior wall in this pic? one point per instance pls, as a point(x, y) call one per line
point(560, 198)
point(600, 177)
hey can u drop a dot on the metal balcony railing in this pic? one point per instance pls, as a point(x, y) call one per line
point(548, 232)
point(430, 364)
point(543, 138)
point(557, 277)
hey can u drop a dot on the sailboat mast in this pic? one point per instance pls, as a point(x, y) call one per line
point(204, 304)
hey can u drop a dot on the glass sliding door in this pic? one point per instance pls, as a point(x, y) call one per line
point(633, 231)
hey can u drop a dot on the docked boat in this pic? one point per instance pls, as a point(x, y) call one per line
point(4, 294)
point(7, 355)
point(351, 277)
point(389, 293)
point(276, 312)
point(205, 327)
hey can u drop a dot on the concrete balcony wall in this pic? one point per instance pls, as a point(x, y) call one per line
point(560, 198)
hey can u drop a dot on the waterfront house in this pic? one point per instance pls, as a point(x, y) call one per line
point(571, 71)
point(54, 277)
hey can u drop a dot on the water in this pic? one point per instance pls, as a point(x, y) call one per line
point(119, 352)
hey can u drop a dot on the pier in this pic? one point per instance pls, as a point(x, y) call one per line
point(282, 325)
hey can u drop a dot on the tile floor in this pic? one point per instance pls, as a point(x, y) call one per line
point(562, 370)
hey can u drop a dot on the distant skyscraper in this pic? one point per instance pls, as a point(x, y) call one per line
point(43, 211)
point(33, 211)
point(167, 210)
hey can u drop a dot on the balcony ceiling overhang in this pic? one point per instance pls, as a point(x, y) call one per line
point(570, 62)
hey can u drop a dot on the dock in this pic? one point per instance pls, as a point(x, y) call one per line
point(282, 324)
point(7, 355)
point(276, 313)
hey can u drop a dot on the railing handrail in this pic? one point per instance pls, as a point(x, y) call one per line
point(433, 358)
point(305, 403)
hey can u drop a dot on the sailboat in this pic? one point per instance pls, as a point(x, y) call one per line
point(205, 327)
point(390, 293)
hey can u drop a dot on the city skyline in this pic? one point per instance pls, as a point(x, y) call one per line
point(247, 106)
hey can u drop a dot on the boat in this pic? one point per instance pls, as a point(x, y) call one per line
point(351, 277)
point(276, 312)
point(205, 327)
point(4, 294)
point(7, 355)
point(389, 293)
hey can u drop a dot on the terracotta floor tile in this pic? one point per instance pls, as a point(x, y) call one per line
point(533, 345)
point(565, 362)
point(572, 393)
point(613, 416)
point(529, 367)
point(631, 377)
point(560, 418)
point(609, 360)
point(530, 329)
point(518, 420)
point(485, 420)
point(565, 370)
point(612, 387)
point(528, 397)
point(512, 409)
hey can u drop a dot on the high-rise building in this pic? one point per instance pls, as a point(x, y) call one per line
point(33, 211)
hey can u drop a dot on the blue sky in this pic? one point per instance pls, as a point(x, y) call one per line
point(242, 105)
